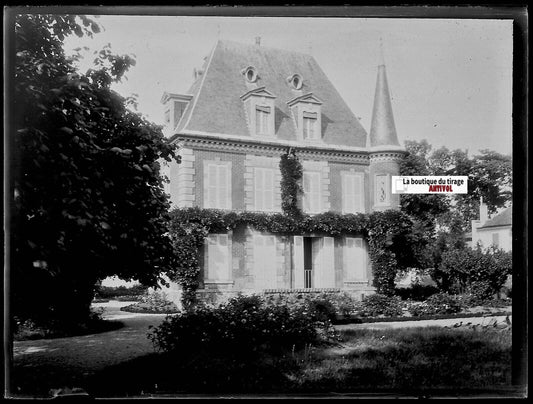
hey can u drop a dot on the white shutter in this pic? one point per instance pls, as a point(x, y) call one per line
point(218, 257)
point(298, 260)
point(327, 263)
point(315, 189)
point(268, 192)
point(264, 265)
point(360, 272)
point(258, 189)
point(222, 187)
point(211, 199)
point(307, 190)
point(359, 205)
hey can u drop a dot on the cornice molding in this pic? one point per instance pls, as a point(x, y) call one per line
point(246, 146)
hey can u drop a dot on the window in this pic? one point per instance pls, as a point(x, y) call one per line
point(261, 120)
point(264, 189)
point(218, 186)
point(250, 74)
point(495, 239)
point(311, 188)
point(382, 196)
point(265, 272)
point(310, 131)
point(355, 260)
point(218, 258)
point(352, 193)
point(295, 81)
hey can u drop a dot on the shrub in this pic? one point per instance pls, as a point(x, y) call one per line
point(481, 273)
point(440, 303)
point(416, 292)
point(381, 305)
point(112, 292)
point(154, 302)
point(242, 325)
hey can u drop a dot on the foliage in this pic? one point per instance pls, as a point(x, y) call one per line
point(325, 305)
point(153, 302)
point(447, 217)
point(481, 273)
point(394, 242)
point(111, 292)
point(381, 305)
point(440, 303)
point(243, 325)
point(416, 292)
point(291, 176)
point(88, 199)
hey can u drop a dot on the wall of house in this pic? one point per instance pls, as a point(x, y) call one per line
point(383, 166)
point(485, 236)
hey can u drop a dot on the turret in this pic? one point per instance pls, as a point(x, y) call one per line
point(385, 150)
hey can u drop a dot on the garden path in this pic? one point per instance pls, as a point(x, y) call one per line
point(66, 362)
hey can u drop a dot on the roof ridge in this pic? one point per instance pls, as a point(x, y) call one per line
point(265, 47)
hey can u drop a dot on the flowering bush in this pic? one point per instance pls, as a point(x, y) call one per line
point(153, 302)
point(440, 303)
point(381, 305)
point(243, 324)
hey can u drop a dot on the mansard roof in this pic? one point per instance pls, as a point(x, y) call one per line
point(217, 107)
point(504, 218)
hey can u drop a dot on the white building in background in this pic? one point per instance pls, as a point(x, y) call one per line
point(495, 231)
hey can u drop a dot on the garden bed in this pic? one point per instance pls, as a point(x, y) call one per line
point(361, 320)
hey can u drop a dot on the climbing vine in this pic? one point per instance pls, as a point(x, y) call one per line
point(291, 176)
point(389, 235)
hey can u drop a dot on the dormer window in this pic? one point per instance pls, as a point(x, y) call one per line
point(310, 131)
point(262, 118)
point(174, 108)
point(295, 81)
point(259, 109)
point(306, 112)
point(250, 74)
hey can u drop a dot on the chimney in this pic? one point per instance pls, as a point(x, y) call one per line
point(483, 212)
point(258, 40)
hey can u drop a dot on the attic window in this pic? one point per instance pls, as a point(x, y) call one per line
point(250, 74)
point(295, 81)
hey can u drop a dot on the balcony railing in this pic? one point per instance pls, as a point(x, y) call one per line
point(308, 278)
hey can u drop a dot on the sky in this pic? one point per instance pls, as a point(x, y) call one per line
point(450, 80)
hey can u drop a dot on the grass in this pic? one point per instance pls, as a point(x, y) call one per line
point(414, 359)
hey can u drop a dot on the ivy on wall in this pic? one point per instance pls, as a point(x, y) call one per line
point(388, 233)
point(291, 175)
point(393, 245)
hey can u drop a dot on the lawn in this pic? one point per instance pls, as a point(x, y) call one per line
point(405, 360)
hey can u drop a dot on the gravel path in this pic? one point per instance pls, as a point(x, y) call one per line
point(41, 365)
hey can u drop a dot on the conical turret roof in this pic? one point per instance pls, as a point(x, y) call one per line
point(383, 130)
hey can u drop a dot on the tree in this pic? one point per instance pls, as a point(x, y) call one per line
point(447, 217)
point(88, 199)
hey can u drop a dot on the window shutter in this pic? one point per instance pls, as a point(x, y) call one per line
point(307, 190)
point(212, 186)
point(268, 190)
point(298, 260)
point(360, 260)
point(327, 263)
point(258, 191)
point(358, 194)
point(265, 268)
point(315, 184)
point(222, 187)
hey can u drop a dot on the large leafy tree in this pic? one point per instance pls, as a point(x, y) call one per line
point(448, 216)
point(88, 199)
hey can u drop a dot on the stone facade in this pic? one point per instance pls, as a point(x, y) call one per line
point(240, 118)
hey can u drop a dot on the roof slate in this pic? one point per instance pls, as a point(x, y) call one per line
point(504, 218)
point(217, 106)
